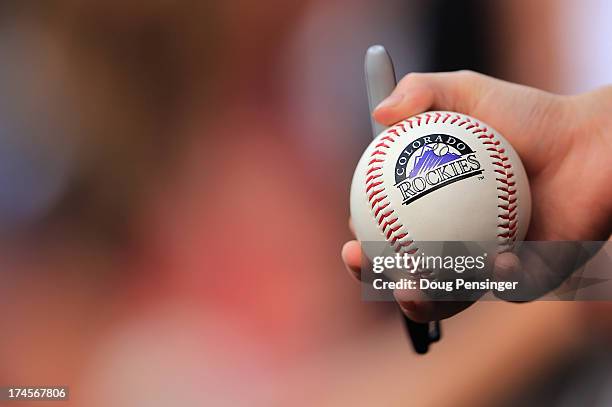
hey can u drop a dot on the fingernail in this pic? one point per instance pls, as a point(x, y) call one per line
point(392, 100)
point(506, 267)
point(407, 305)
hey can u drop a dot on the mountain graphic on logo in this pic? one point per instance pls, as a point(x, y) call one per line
point(428, 160)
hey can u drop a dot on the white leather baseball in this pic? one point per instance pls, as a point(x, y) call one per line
point(440, 176)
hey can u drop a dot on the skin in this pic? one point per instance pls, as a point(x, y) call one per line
point(565, 143)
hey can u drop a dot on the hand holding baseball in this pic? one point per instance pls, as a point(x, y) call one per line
point(564, 142)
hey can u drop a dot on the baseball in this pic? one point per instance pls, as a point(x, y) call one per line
point(440, 149)
point(440, 176)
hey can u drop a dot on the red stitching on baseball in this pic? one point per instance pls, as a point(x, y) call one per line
point(509, 183)
point(510, 199)
point(380, 208)
point(389, 227)
point(372, 177)
point(398, 237)
point(377, 200)
point(396, 228)
point(503, 162)
point(389, 223)
point(375, 184)
point(372, 169)
point(384, 215)
point(374, 193)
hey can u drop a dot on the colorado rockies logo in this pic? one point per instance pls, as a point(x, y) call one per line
point(432, 162)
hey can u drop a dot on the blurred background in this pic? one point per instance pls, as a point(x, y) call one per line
point(174, 183)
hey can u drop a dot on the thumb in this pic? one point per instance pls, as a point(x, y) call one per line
point(417, 92)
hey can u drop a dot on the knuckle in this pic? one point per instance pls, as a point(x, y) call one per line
point(467, 74)
point(411, 79)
